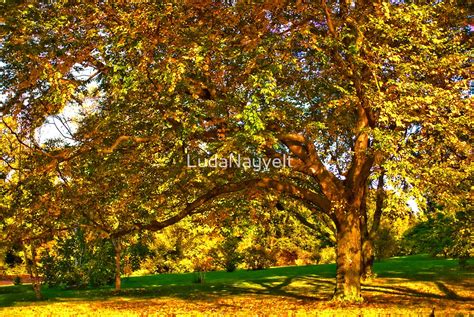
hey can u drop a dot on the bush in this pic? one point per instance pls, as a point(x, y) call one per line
point(441, 234)
point(12, 259)
point(287, 257)
point(327, 255)
point(137, 253)
point(385, 244)
point(17, 280)
point(258, 258)
point(77, 264)
point(226, 254)
point(199, 277)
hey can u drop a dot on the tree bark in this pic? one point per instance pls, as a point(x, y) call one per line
point(349, 257)
point(118, 253)
point(368, 235)
point(32, 268)
point(368, 258)
point(367, 242)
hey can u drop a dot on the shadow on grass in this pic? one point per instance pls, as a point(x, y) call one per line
point(407, 291)
point(305, 284)
point(190, 291)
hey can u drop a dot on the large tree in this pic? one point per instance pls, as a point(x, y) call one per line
point(353, 91)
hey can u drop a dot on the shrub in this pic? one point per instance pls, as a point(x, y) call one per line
point(199, 277)
point(137, 253)
point(327, 255)
point(441, 234)
point(258, 258)
point(226, 254)
point(385, 244)
point(287, 257)
point(77, 264)
point(17, 280)
point(12, 259)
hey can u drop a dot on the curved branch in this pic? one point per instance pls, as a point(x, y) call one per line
point(330, 185)
point(297, 192)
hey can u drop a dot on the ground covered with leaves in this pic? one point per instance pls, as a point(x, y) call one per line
point(414, 285)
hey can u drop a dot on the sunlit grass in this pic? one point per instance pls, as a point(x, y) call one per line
point(405, 285)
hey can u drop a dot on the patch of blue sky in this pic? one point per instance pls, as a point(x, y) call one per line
point(62, 126)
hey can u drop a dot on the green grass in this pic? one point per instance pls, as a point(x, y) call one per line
point(398, 276)
point(421, 268)
point(179, 285)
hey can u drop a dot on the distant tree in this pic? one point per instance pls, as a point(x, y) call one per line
point(441, 234)
point(385, 244)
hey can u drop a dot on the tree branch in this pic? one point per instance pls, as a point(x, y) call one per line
point(379, 201)
point(330, 185)
point(189, 209)
point(329, 21)
point(297, 192)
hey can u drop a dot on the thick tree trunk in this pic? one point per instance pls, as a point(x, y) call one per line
point(118, 253)
point(349, 258)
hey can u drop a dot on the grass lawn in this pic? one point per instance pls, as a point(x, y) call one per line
point(411, 285)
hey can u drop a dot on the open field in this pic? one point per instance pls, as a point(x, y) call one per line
point(405, 286)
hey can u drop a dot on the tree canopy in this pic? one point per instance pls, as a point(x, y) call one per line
point(364, 97)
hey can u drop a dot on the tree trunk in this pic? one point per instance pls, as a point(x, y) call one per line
point(368, 258)
point(368, 253)
point(36, 277)
point(349, 257)
point(32, 269)
point(118, 253)
point(367, 243)
point(37, 288)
